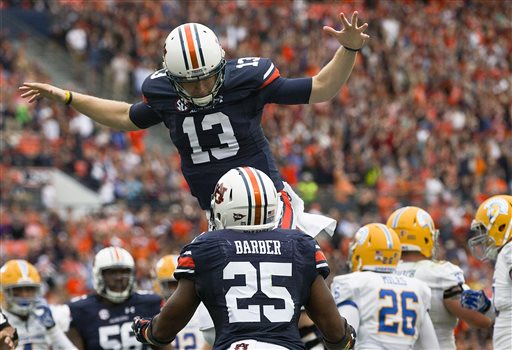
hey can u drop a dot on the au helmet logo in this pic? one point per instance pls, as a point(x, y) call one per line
point(218, 195)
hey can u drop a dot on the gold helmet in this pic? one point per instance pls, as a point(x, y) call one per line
point(416, 230)
point(21, 286)
point(375, 247)
point(165, 268)
point(493, 225)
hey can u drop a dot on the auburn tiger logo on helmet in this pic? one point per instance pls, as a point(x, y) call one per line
point(249, 202)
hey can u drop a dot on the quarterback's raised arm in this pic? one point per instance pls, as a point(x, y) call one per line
point(114, 114)
point(332, 76)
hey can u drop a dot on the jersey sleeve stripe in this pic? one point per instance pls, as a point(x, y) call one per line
point(186, 262)
point(273, 77)
point(320, 257)
point(347, 302)
point(269, 70)
point(287, 216)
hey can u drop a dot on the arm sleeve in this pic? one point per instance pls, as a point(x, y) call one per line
point(427, 338)
point(289, 91)
point(143, 115)
point(351, 314)
point(59, 340)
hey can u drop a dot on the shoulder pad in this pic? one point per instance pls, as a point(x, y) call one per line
point(440, 274)
point(250, 72)
point(78, 298)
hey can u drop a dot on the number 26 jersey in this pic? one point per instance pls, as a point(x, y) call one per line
point(391, 307)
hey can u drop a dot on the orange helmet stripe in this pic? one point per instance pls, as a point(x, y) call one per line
point(191, 47)
point(257, 195)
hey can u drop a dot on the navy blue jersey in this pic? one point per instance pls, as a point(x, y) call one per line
point(253, 284)
point(228, 132)
point(105, 325)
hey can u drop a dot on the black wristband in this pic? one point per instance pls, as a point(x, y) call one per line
point(353, 50)
point(157, 342)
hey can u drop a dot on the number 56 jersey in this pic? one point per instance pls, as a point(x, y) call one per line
point(391, 308)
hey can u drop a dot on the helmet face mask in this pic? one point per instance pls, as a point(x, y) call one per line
point(21, 286)
point(114, 274)
point(493, 227)
point(192, 54)
point(245, 199)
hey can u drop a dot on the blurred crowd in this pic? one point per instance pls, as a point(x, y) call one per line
point(425, 119)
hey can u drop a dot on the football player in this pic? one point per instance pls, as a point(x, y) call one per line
point(213, 108)
point(190, 337)
point(102, 320)
point(253, 278)
point(493, 224)
point(418, 238)
point(388, 311)
point(27, 310)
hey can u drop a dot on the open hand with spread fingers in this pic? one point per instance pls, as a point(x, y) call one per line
point(352, 37)
point(36, 91)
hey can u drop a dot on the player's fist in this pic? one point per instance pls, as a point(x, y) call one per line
point(44, 314)
point(140, 326)
point(475, 300)
point(350, 337)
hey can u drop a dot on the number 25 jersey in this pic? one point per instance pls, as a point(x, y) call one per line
point(391, 307)
point(227, 133)
point(253, 284)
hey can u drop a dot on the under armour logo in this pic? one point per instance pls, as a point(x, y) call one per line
point(242, 346)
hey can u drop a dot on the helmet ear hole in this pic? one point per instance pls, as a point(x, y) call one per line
point(501, 228)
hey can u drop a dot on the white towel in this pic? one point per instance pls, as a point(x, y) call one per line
point(311, 224)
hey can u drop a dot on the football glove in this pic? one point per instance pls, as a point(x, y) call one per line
point(475, 300)
point(347, 343)
point(44, 314)
point(141, 326)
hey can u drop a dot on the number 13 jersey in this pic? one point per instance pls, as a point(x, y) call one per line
point(227, 133)
point(391, 307)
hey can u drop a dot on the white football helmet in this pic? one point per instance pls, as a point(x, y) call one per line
point(245, 199)
point(192, 52)
point(112, 258)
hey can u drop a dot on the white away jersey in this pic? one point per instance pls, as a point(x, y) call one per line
point(502, 294)
point(391, 307)
point(33, 335)
point(439, 276)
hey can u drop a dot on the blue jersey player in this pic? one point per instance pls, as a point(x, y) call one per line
point(252, 278)
point(213, 107)
point(103, 320)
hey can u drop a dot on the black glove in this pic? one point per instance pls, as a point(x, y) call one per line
point(141, 326)
point(347, 343)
